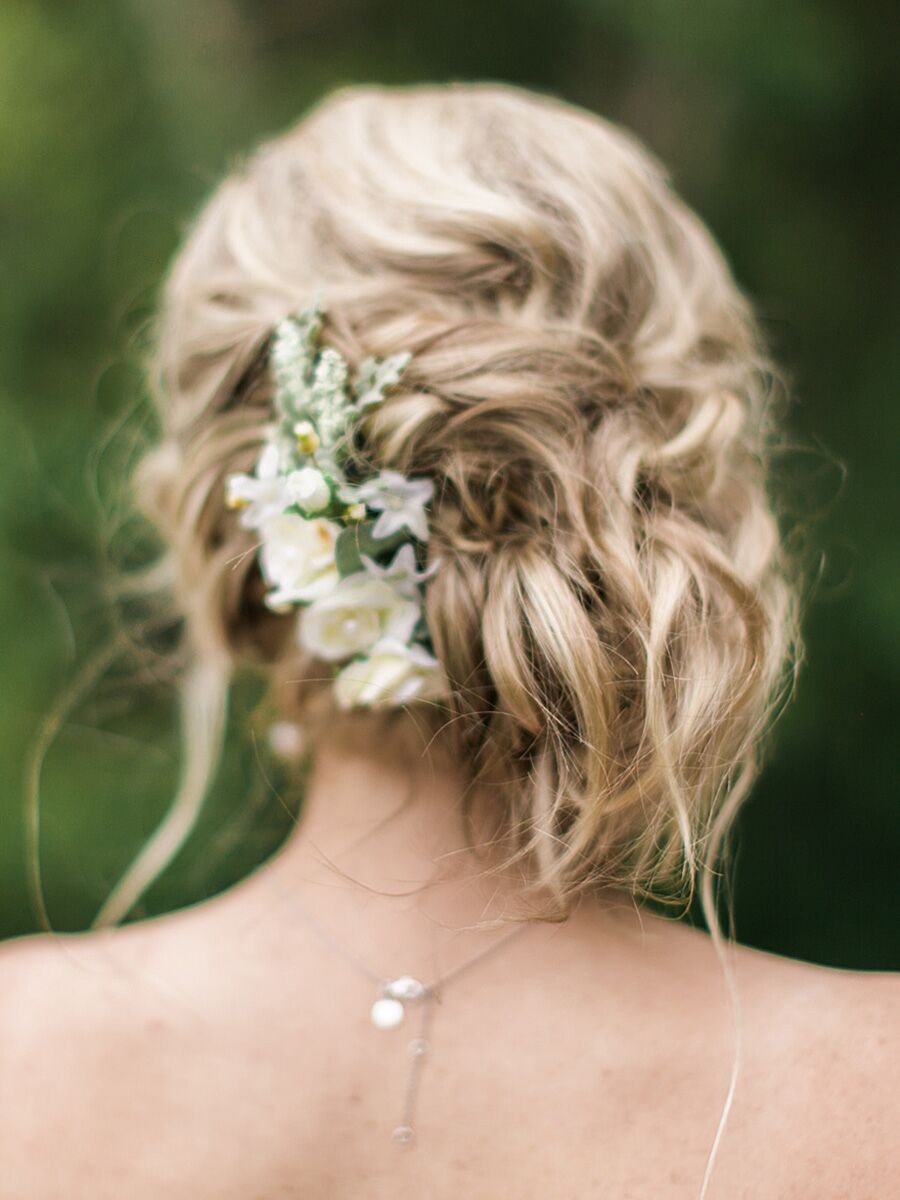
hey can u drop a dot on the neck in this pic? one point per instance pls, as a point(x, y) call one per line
point(383, 827)
point(382, 860)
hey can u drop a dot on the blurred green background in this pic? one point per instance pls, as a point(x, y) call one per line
point(779, 121)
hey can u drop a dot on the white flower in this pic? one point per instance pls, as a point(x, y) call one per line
point(263, 494)
point(392, 673)
point(401, 501)
point(401, 571)
point(354, 615)
point(297, 558)
point(308, 489)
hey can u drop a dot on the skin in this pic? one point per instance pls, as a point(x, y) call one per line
point(225, 1050)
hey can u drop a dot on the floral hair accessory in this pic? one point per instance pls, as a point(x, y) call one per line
point(348, 550)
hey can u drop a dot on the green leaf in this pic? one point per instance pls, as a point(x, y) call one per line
point(346, 551)
point(292, 356)
point(377, 548)
point(375, 376)
point(356, 540)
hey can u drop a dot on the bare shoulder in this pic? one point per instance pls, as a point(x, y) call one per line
point(50, 984)
point(841, 1016)
point(56, 992)
point(816, 1099)
point(77, 1015)
point(822, 1052)
point(65, 983)
point(47, 1010)
point(87, 990)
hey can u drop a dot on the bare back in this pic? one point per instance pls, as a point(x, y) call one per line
point(211, 1054)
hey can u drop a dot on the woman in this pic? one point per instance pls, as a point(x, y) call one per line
point(466, 445)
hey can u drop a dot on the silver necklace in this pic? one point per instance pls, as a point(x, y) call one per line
point(388, 1009)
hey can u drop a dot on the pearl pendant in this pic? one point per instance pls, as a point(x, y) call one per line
point(387, 1013)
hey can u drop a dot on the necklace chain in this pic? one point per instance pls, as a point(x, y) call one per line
point(391, 992)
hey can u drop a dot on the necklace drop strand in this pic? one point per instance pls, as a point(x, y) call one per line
point(388, 1011)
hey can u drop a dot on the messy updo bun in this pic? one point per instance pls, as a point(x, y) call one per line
point(589, 391)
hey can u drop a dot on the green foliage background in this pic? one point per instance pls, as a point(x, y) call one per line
point(779, 121)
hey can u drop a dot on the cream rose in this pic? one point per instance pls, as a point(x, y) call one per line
point(356, 614)
point(297, 558)
point(391, 673)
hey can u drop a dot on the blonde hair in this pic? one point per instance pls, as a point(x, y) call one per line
point(614, 606)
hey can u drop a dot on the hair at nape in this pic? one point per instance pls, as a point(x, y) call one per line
point(590, 393)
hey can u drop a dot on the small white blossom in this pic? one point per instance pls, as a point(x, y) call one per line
point(401, 572)
point(354, 615)
point(401, 502)
point(391, 673)
point(261, 495)
point(269, 464)
point(297, 558)
point(308, 489)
